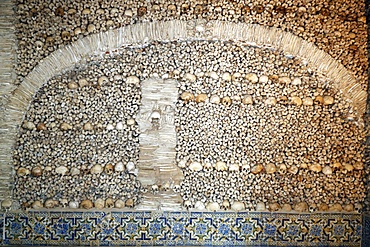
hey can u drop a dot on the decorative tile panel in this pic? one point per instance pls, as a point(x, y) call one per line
point(366, 230)
point(1, 228)
point(183, 229)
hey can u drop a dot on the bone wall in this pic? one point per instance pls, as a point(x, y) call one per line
point(261, 126)
point(320, 86)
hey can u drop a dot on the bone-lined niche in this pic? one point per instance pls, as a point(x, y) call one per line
point(158, 128)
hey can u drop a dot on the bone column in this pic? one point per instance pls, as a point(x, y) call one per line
point(157, 159)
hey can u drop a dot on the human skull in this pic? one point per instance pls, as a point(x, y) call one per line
point(66, 35)
point(166, 186)
point(155, 189)
point(109, 169)
point(63, 202)
point(225, 205)
point(39, 45)
point(22, 172)
point(188, 204)
point(109, 203)
point(246, 169)
point(176, 188)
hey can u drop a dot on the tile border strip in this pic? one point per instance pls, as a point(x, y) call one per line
point(365, 240)
point(181, 228)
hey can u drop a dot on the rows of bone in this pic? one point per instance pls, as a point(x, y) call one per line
point(79, 144)
point(303, 191)
point(81, 127)
point(84, 189)
point(338, 28)
point(311, 138)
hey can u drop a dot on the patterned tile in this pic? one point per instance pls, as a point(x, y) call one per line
point(316, 230)
point(248, 227)
point(86, 227)
point(342, 229)
point(17, 229)
point(62, 226)
point(183, 229)
point(1, 228)
point(199, 228)
point(366, 230)
point(177, 226)
point(294, 228)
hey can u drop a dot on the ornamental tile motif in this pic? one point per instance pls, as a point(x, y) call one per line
point(365, 241)
point(182, 229)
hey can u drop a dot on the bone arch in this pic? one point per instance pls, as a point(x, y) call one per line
point(143, 33)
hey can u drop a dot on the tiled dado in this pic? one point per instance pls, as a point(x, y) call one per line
point(366, 230)
point(180, 228)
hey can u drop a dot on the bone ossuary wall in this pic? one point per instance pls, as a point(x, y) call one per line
point(189, 120)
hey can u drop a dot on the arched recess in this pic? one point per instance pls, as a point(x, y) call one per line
point(144, 33)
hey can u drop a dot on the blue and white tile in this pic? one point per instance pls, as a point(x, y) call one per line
point(183, 228)
point(365, 241)
point(17, 229)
